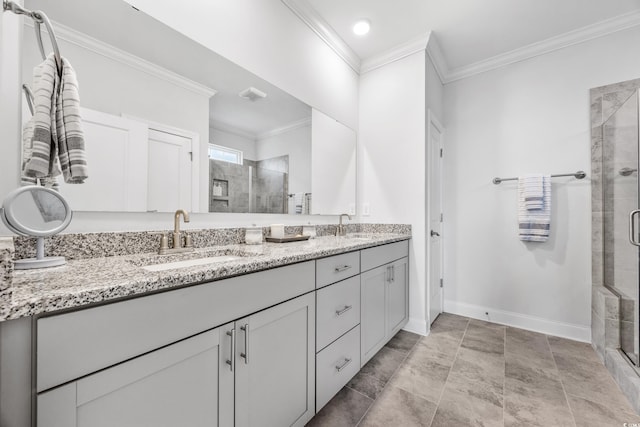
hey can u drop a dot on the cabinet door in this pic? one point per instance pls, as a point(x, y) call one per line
point(397, 297)
point(275, 362)
point(173, 386)
point(372, 309)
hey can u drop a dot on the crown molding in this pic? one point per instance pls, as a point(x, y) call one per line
point(437, 57)
point(307, 14)
point(549, 45)
point(226, 128)
point(398, 52)
point(82, 40)
point(286, 128)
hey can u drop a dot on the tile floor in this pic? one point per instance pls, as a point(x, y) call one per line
point(473, 373)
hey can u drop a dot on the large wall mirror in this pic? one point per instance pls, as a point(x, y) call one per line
point(170, 124)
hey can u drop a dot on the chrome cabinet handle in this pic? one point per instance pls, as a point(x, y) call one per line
point(435, 233)
point(343, 268)
point(632, 227)
point(344, 365)
point(245, 355)
point(344, 310)
point(231, 362)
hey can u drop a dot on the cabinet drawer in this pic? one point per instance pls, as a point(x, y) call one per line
point(338, 310)
point(374, 257)
point(336, 365)
point(336, 268)
point(75, 344)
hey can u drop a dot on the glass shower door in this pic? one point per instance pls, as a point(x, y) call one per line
point(620, 214)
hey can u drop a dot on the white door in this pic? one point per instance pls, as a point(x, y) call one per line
point(434, 231)
point(117, 158)
point(169, 173)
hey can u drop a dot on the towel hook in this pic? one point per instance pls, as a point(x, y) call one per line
point(39, 17)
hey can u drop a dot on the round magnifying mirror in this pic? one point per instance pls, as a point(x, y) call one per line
point(39, 212)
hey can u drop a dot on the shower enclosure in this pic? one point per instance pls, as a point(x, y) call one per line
point(621, 217)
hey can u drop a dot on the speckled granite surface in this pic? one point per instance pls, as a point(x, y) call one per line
point(94, 280)
point(98, 245)
point(6, 273)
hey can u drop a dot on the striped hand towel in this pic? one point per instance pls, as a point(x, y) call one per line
point(57, 144)
point(533, 191)
point(534, 225)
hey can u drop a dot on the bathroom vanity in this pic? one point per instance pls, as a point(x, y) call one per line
point(265, 337)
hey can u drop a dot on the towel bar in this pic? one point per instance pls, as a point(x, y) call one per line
point(577, 175)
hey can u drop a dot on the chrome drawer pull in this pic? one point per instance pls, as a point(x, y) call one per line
point(231, 362)
point(344, 365)
point(343, 268)
point(344, 310)
point(245, 355)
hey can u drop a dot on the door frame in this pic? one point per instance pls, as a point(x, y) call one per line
point(432, 119)
point(195, 154)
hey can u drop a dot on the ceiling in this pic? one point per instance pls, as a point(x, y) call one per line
point(468, 31)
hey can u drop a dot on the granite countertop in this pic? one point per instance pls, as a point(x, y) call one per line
point(88, 281)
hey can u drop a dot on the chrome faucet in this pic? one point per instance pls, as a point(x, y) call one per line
point(341, 230)
point(177, 239)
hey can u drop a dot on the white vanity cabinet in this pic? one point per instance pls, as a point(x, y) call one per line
point(275, 365)
point(384, 296)
point(94, 368)
point(175, 385)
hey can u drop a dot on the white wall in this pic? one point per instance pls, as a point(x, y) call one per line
point(532, 116)
point(10, 99)
point(231, 140)
point(391, 161)
point(297, 144)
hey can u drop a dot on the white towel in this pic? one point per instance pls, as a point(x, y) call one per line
point(534, 225)
point(298, 201)
point(57, 144)
point(533, 191)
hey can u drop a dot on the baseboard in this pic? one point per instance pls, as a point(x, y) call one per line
point(417, 326)
point(522, 321)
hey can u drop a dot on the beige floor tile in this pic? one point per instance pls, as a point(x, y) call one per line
point(403, 341)
point(591, 381)
point(346, 409)
point(480, 337)
point(592, 414)
point(398, 407)
point(441, 344)
point(469, 403)
point(366, 384)
point(383, 364)
point(521, 410)
point(527, 343)
point(575, 349)
point(422, 375)
point(480, 366)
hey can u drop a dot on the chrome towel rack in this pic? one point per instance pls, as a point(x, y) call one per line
point(577, 175)
point(39, 18)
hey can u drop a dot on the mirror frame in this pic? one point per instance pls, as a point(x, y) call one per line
point(12, 220)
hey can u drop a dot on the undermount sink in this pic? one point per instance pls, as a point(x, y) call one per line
point(189, 259)
point(358, 236)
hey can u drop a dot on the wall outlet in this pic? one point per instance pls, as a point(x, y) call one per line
point(366, 209)
point(352, 209)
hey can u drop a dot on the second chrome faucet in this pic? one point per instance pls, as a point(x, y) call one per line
point(342, 230)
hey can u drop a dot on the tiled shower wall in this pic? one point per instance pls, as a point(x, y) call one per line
point(605, 305)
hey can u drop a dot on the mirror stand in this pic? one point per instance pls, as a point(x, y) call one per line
point(40, 261)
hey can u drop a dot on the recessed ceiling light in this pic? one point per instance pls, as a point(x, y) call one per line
point(361, 27)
